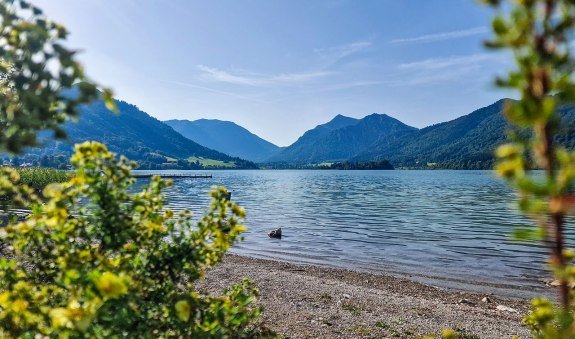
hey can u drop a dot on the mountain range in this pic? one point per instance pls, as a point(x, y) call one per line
point(467, 142)
point(137, 135)
point(226, 137)
point(343, 139)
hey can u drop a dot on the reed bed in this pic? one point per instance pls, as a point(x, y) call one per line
point(40, 177)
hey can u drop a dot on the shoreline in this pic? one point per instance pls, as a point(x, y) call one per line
point(310, 301)
point(508, 290)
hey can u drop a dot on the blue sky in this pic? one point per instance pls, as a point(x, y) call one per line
point(280, 68)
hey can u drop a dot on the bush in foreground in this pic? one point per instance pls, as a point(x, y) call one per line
point(98, 261)
point(539, 33)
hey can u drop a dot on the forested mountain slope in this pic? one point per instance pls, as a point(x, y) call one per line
point(226, 137)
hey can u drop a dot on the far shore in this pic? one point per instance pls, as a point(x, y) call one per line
point(308, 301)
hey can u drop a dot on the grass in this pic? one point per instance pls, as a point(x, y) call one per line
point(463, 333)
point(168, 159)
point(361, 330)
point(355, 310)
point(212, 163)
point(382, 324)
point(39, 177)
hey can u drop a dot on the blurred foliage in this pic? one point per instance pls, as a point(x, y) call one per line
point(538, 33)
point(35, 69)
point(12, 195)
point(97, 261)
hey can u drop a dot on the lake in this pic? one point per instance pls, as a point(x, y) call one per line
point(450, 228)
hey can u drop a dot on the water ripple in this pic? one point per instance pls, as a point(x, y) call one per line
point(449, 224)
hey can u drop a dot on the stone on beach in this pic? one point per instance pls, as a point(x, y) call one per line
point(277, 233)
point(557, 283)
point(466, 302)
point(506, 309)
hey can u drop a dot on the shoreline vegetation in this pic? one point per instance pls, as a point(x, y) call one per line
point(340, 303)
point(40, 177)
point(349, 165)
point(345, 165)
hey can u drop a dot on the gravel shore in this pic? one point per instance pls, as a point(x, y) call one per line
point(304, 301)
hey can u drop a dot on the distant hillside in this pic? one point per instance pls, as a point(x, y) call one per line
point(302, 145)
point(343, 138)
point(226, 137)
point(138, 136)
point(368, 165)
point(467, 142)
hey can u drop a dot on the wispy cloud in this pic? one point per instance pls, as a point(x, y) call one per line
point(434, 78)
point(250, 79)
point(214, 74)
point(441, 36)
point(216, 91)
point(345, 50)
point(448, 62)
point(437, 70)
point(332, 88)
point(353, 84)
point(328, 57)
point(333, 55)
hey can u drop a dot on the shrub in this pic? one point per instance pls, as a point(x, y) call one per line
point(98, 261)
point(539, 33)
point(36, 74)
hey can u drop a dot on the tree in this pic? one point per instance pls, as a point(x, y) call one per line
point(36, 74)
point(538, 33)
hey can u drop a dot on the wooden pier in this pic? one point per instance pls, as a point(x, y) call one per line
point(172, 176)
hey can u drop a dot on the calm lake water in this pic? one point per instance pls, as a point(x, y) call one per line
point(447, 227)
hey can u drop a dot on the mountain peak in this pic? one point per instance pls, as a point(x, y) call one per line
point(342, 138)
point(383, 115)
point(381, 118)
point(340, 121)
point(340, 116)
point(213, 120)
